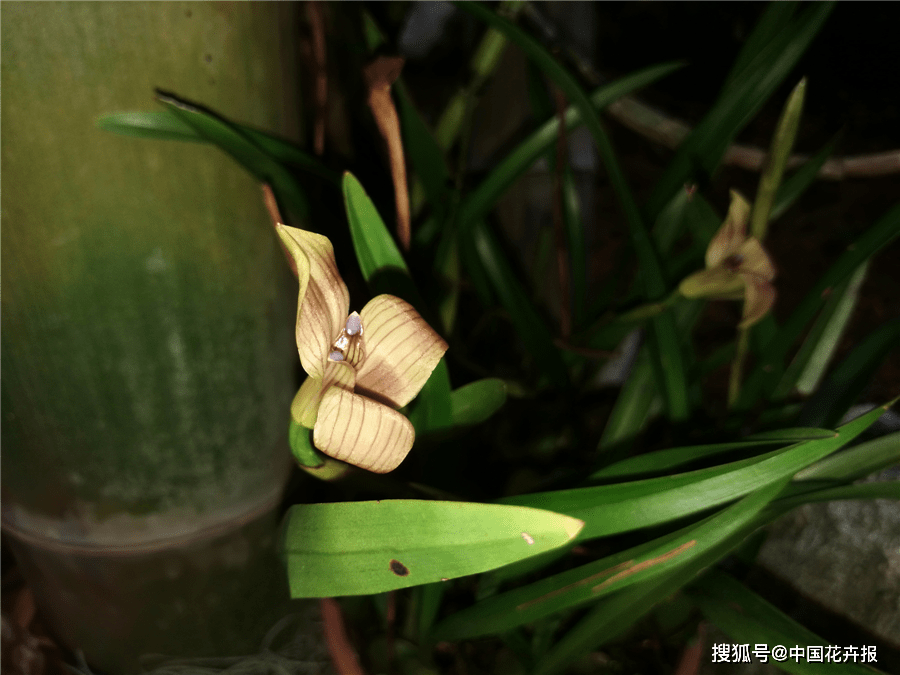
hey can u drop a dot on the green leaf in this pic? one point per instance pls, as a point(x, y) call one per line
point(848, 381)
point(360, 548)
point(236, 143)
point(634, 406)
point(770, 366)
point(881, 490)
point(750, 87)
point(773, 19)
point(614, 615)
point(477, 401)
point(480, 202)
point(610, 509)
point(164, 125)
point(856, 462)
point(374, 246)
point(663, 335)
point(748, 619)
point(424, 154)
point(434, 408)
point(796, 184)
point(809, 364)
point(530, 326)
point(157, 125)
point(663, 460)
point(637, 565)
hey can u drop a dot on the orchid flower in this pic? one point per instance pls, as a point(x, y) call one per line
point(361, 366)
point(737, 267)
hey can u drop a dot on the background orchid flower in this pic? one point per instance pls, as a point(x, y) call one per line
point(361, 366)
point(737, 266)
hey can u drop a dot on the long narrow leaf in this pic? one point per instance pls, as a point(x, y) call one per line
point(856, 462)
point(769, 370)
point(239, 145)
point(613, 616)
point(750, 620)
point(529, 324)
point(589, 582)
point(610, 509)
point(663, 460)
point(812, 359)
point(664, 339)
point(850, 379)
point(164, 125)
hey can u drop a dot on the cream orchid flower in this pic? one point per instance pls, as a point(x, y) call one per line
point(361, 366)
point(737, 266)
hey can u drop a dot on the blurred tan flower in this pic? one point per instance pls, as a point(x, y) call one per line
point(361, 366)
point(737, 267)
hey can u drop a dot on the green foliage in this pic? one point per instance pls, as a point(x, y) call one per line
point(352, 548)
point(684, 506)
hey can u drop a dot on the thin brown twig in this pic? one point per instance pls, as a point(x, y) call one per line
point(562, 259)
point(380, 76)
point(342, 653)
point(319, 54)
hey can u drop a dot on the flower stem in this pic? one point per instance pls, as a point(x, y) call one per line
point(737, 367)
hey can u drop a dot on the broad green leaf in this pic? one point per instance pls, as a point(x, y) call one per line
point(748, 619)
point(662, 460)
point(242, 148)
point(610, 509)
point(702, 151)
point(856, 462)
point(477, 401)
point(810, 362)
point(164, 125)
point(361, 548)
point(769, 368)
point(530, 326)
point(614, 615)
point(637, 565)
point(849, 379)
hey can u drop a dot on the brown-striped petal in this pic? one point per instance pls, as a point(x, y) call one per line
point(732, 233)
point(401, 350)
point(323, 300)
point(360, 431)
point(305, 406)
